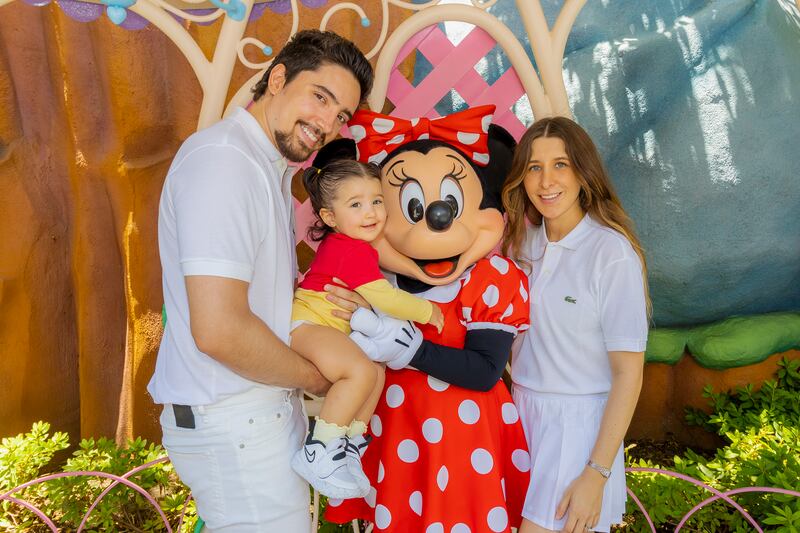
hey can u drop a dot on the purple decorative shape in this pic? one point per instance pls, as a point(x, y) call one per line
point(280, 6)
point(257, 11)
point(81, 11)
point(314, 3)
point(134, 21)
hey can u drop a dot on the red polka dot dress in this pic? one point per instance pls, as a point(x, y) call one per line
point(445, 458)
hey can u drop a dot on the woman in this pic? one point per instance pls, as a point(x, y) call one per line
point(577, 372)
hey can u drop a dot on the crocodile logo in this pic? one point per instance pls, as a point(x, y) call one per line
point(570, 299)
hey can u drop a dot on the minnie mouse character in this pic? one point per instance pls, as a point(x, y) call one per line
point(449, 453)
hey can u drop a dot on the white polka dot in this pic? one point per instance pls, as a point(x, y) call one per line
point(424, 136)
point(414, 121)
point(523, 292)
point(497, 519)
point(469, 412)
point(491, 295)
point(442, 477)
point(481, 461)
point(503, 486)
point(460, 528)
point(375, 425)
point(521, 459)
point(467, 138)
point(467, 278)
point(377, 158)
point(382, 517)
point(432, 430)
point(371, 496)
point(381, 471)
point(437, 384)
point(334, 502)
point(415, 502)
point(436, 527)
point(485, 122)
point(397, 139)
point(395, 396)
point(382, 125)
point(499, 264)
point(510, 413)
point(479, 157)
point(358, 133)
point(408, 451)
point(507, 312)
point(467, 312)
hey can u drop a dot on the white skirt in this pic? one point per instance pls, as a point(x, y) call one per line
point(561, 430)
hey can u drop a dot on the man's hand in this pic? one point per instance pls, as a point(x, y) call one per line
point(385, 339)
point(346, 299)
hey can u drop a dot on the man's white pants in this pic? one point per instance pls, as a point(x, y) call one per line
point(236, 461)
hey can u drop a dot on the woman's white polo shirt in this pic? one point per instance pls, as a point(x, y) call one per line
point(587, 299)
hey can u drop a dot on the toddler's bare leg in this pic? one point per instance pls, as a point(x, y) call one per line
point(342, 363)
point(368, 408)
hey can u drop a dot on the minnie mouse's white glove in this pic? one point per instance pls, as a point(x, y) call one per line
point(385, 339)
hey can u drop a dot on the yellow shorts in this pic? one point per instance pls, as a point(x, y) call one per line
point(312, 307)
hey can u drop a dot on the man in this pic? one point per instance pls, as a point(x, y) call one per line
point(232, 414)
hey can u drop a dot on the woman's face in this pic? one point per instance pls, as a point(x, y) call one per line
point(551, 183)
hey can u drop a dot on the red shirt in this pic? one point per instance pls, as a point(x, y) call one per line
point(353, 261)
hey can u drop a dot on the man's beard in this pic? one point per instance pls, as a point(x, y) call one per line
point(293, 151)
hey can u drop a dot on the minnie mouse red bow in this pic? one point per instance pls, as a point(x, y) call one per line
point(376, 134)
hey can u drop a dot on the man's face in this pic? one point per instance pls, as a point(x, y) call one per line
point(309, 111)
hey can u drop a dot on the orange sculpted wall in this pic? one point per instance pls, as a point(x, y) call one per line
point(668, 389)
point(91, 117)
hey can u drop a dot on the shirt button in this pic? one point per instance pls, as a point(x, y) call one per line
point(241, 446)
point(278, 415)
point(251, 420)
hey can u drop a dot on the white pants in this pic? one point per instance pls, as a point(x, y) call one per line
point(236, 461)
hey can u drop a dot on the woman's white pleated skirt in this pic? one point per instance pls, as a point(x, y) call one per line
point(561, 430)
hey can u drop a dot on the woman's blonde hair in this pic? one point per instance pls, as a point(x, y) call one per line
point(597, 196)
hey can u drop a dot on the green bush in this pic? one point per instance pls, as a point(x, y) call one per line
point(761, 431)
point(66, 500)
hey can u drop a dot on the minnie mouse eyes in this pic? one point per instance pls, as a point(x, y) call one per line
point(451, 193)
point(412, 200)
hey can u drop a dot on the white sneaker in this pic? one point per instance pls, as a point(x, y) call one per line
point(355, 448)
point(325, 468)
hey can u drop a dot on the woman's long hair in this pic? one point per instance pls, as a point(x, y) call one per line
point(597, 196)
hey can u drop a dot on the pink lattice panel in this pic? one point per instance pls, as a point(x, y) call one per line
point(453, 68)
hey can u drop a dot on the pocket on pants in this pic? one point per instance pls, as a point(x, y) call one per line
point(260, 428)
point(200, 471)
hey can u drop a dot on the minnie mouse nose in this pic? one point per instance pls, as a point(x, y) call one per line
point(439, 215)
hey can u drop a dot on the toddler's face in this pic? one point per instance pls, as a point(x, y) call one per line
point(357, 209)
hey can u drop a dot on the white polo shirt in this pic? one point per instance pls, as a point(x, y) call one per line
point(587, 299)
point(226, 210)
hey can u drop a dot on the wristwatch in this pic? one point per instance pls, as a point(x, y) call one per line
point(603, 471)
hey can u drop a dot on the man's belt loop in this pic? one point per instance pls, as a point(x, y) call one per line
point(184, 417)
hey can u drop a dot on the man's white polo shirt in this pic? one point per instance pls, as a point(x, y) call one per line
point(587, 299)
point(226, 210)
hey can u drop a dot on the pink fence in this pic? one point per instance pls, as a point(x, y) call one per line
point(124, 480)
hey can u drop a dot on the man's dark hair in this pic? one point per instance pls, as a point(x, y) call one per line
point(311, 49)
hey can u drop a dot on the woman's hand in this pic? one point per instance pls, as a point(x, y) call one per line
point(346, 299)
point(437, 318)
point(582, 502)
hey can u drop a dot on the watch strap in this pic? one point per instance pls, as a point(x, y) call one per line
point(602, 470)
